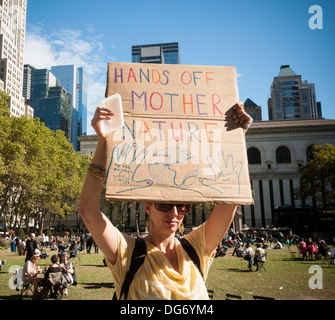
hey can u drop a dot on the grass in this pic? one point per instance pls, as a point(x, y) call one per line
point(285, 278)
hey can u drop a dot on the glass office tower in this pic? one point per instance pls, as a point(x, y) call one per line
point(167, 53)
point(292, 98)
point(74, 80)
point(82, 103)
point(51, 102)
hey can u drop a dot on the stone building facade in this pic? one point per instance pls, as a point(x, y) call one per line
point(276, 150)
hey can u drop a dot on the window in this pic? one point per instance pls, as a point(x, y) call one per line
point(289, 83)
point(254, 156)
point(309, 152)
point(283, 155)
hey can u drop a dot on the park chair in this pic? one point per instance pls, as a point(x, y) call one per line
point(293, 254)
point(261, 263)
point(53, 286)
point(331, 262)
point(326, 258)
point(24, 288)
point(210, 294)
point(27, 289)
point(233, 297)
point(77, 259)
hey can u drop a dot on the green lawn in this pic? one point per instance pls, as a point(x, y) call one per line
point(284, 279)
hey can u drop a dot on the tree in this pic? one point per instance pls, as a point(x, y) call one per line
point(4, 121)
point(317, 177)
point(20, 234)
point(40, 172)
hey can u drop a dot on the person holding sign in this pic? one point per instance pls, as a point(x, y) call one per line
point(167, 272)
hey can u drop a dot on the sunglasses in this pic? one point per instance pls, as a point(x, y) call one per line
point(182, 209)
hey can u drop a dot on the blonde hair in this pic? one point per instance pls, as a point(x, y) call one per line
point(35, 256)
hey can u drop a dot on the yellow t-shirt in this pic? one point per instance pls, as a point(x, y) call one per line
point(156, 278)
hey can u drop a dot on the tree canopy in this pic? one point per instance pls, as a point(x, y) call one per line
point(40, 172)
point(317, 177)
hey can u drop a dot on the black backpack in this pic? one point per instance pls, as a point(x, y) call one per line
point(138, 257)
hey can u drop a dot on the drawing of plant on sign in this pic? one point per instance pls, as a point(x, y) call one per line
point(225, 171)
point(173, 167)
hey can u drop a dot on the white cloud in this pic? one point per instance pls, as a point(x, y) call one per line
point(70, 47)
point(239, 76)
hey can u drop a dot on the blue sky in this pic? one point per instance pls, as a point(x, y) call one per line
point(256, 36)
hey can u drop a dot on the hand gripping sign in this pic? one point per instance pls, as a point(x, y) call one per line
point(179, 142)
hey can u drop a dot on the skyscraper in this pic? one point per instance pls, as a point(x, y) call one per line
point(82, 103)
point(167, 53)
point(27, 82)
point(74, 80)
point(253, 110)
point(51, 102)
point(291, 97)
point(12, 37)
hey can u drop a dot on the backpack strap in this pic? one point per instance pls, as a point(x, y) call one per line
point(137, 260)
point(191, 253)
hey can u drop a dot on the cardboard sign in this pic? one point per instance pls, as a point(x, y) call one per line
point(179, 143)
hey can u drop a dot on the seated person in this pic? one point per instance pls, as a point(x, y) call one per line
point(21, 248)
point(265, 244)
point(30, 272)
point(230, 242)
point(67, 269)
point(303, 248)
point(220, 251)
point(53, 246)
point(43, 253)
point(322, 251)
point(332, 253)
point(278, 245)
point(55, 268)
point(259, 255)
point(311, 249)
point(238, 250)
point(2, 263)
point(248, 254)
point(225, 245)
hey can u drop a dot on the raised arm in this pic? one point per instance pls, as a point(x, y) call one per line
point(96, 222)
point(217, 225)
point(222, 216)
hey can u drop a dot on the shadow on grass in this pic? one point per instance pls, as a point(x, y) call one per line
point(97, 285)
point(235, 270)
point(93, 265)
point(12, 297)
point(287, 259)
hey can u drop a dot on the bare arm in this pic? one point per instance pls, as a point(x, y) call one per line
point(222, 216)
point(96, 222)
point(217, 225)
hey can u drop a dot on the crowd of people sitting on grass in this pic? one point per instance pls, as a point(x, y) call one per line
point(241, 243)
point(310, 249)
